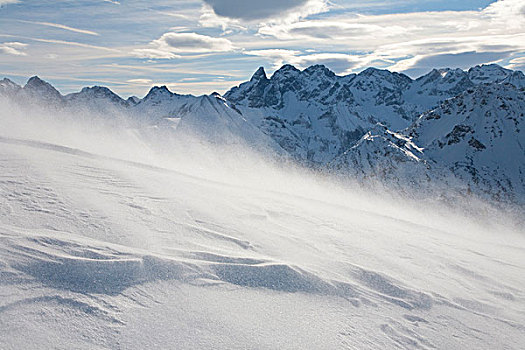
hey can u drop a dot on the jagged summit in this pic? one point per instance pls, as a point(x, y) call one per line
point(319, 69)
point(259, 74)
point(97, 89)
point(285, 72)
point(488, 73)
point(371, 71)
point(133, 100)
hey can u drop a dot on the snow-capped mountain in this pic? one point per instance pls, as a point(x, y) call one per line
point(375, 124)
point(316, 115)
point(209, 117)
point(480, 136)
point(39, 90)
point(8, 87)
point(475, 139)
point(96, 95)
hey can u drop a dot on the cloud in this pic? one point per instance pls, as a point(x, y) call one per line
point(411, 41)
point(340, 63)
point(13, 48)
point(250, 10)
point(273, 53)
point(5, 2)
point(169, 45)
point(71, 43)
point(464, 60)
point(154, 54)
point(277, 56)
point(517, 63)
point(324, 29)
point(140, 81)
point(61, 26)
point(237, 15)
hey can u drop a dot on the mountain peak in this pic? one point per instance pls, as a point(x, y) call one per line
point(8, 83)
point(95, 93)
point(158, 91)
point(284, 72)
point(488, 73)
point(133, 100)
point(35, 81)
point(373, 71)
point(8, 87)
point(41, 89)
point(96, 88)
point(491, 66)
point(260, 74)
point(319, 69)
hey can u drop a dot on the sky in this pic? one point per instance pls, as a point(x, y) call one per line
point(201, 46)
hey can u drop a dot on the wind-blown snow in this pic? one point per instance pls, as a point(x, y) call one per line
point(107, 242)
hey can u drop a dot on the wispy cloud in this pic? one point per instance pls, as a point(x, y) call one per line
point(123, 40)
point(140, 81)
point(517, 63)
point(63, 42)
point(412, 41)
point(13, 48)
point(61, 26)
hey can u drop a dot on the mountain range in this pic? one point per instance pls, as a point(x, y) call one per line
point(454, 128)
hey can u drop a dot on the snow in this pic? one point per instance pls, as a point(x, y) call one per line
point(103, 246)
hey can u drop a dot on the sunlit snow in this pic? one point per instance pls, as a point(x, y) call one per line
point(108, 241)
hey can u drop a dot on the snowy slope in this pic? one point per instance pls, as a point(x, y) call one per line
point(8, 87)
point(384, 156)
point(208, 117)
point(147, 257)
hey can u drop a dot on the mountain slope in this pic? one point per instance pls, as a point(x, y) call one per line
point(480, 136)
point(141, 257)
point(476, 140)
point(316, 115)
